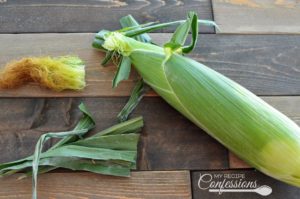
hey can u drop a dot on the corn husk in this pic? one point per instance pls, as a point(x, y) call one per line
point(241, 121)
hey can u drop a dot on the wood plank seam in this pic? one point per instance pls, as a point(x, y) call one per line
point(35, 16)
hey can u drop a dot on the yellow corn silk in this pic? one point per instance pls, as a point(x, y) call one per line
point(58, 73)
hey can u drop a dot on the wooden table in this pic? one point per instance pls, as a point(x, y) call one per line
point(258, 46)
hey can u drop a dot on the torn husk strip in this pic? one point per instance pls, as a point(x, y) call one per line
point(58, 73)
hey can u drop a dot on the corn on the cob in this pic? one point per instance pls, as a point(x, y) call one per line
point(241, 121)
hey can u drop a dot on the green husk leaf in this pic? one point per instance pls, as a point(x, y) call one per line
point(101, 34)
point(115, 168)
point(170, 47)
point(131, 126)
point(124, 128)
point(8, 164)
point(119, 137)
point(181, 33)
point(114, 142)
point(91, 153)
point(112, 151)
point(123, 71)
point(98, 43)
point(194, 28)
point(136, 96)
point(129, 28)
point(129, 21)
point(15, 168)
point(124, 67)
point(76, 166)
point(138, 91)
point(95, 166)
point(146, 29)
point(82, 127)
point(108, 56)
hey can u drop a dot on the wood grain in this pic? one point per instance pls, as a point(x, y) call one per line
point(257, 16)
point(265, 64)
point(19, 16)
point(141, 185)
point(279, 189)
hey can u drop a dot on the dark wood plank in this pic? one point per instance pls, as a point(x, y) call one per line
point(265, 64)
point(236, 163)
point(18, 143)
point(279, 189)
point(168, 141)
point(252, 16)
point(144, 185)
point(19, 16)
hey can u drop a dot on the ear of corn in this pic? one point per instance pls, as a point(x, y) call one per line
point(241, 121)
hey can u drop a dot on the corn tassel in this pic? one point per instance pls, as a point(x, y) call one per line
point(252, 129)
